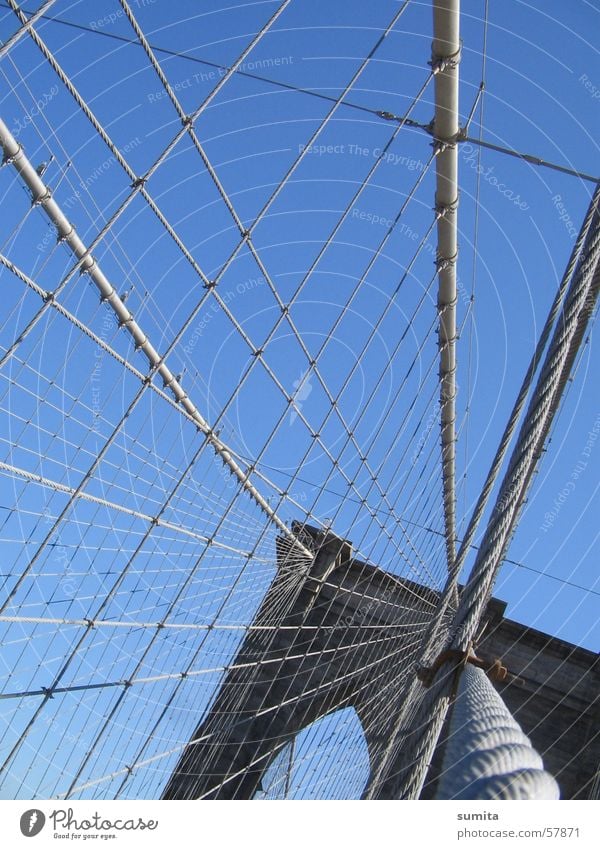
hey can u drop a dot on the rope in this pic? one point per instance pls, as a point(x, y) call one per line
point(26, 26)
point(487, 756)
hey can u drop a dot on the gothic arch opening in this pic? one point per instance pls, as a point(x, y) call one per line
point(329, 759)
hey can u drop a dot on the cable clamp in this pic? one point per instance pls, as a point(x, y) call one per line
point(448, 372)
point(49, 297)
point(438, 63)
point(87, 269)
point(139, 182)
point(168, 383)
point(66, 235)
point(443, 262)
point(8, 159)
point(48, 692)
point(387, 116)
point(495, 670)
point(440, 145)
point(210, 284)
point(42, 198)
point(187, 121)
point(442, 209)
point(448, 304)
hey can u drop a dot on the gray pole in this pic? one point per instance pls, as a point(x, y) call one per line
point(445, 56)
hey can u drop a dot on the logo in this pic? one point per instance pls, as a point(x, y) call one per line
point(303, 389)
point(32, 822)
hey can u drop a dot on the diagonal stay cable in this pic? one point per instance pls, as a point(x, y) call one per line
point(577, 308)
point(121, 508)
point(138, 183)
point(42, 195)
point(180, 747)
point(25, 27)
point(532, 159)
point(285, 311)
point(514, 418)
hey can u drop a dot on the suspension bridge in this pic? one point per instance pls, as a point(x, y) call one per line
point(243, 557)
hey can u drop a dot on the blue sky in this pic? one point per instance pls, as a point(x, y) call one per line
point(517, 225)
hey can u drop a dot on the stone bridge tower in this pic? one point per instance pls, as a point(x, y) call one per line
point(347, 639)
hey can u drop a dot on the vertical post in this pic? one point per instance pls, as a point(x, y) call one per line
point(444, 62)
point(445, 58)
